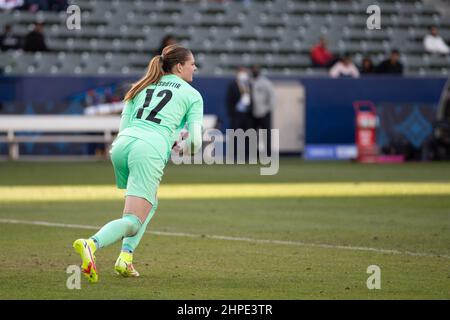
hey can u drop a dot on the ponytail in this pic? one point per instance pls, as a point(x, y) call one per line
point(159, 66)
point(153, 75)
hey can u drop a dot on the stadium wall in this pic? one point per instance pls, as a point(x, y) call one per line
point(406, 106)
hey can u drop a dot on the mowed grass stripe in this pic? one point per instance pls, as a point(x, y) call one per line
point(227, 191)
point(228, 238)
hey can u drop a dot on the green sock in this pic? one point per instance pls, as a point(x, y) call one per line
point(129, 244)
point(116, 230)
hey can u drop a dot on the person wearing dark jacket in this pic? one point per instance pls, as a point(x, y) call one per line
point(239, 101)
point(8, 41)
point(367, 66)
point(391, 65)
point(35, 40)
point(239, 107)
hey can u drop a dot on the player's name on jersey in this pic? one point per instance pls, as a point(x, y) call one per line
point(169, 84)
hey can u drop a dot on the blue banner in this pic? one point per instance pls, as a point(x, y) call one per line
point(406, 106)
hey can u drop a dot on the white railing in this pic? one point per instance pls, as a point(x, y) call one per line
point(62, 128)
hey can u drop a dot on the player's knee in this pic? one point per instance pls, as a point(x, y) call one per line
point(133, 224)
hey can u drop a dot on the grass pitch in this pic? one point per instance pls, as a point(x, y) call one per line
point(225, 232)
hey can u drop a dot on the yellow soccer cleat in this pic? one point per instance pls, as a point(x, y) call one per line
point(86, 249)
point(124, 265)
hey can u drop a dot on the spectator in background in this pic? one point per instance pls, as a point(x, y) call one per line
point(35, 40)
point(239, 107)
point(367, 66)
point(92, 98)
point(434, 43)
point(8, 41)
point(43, 5)
point(11, 4)
point(263, 103)
point(392, 65)
point(321, 57)
point(239, 100)
point(344, 68)
point(36, 5)
point(111, 96)
point(167, 40)
point(58, 5)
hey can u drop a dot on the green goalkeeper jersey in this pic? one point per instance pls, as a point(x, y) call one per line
point(158, 113)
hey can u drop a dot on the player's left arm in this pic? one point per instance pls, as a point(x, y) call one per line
point(127, 113)
point(194, 120)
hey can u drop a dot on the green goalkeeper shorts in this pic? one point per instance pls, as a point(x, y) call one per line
point(138, 166)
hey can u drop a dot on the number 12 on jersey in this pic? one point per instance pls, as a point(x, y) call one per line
point(166, 96)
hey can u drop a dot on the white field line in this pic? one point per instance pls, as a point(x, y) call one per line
point(227, 238)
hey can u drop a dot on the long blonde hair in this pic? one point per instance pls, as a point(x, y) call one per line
point(159, 66)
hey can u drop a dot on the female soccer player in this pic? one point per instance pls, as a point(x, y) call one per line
point(157, 107)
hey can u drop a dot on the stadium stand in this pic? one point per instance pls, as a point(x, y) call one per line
point(118, 37)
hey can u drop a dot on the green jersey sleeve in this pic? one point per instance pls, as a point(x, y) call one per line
point(194, 120)
point(195, 112)
point(127, 113)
